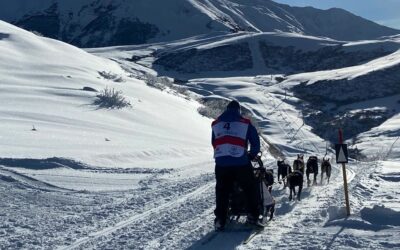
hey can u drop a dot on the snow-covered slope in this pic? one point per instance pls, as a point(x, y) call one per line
point(41, 86)
point(90, 23)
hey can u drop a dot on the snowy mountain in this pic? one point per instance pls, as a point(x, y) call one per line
point(92, 23)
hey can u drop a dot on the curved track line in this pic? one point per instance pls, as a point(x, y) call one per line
point(137, 217)
point(30, 182)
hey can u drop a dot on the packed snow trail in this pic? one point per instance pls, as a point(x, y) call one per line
point(315, 200)
point(142, 216)
point(181, 221)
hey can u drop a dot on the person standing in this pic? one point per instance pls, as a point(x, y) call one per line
point(231, 135)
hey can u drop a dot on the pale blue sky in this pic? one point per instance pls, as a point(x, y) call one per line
point(386, 12)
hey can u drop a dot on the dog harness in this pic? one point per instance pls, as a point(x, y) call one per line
point(230, 137)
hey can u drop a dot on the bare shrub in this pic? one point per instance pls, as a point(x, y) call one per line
point(111, 76)
point(213, 108)
point(111, 98)
point(158, 82)
point(163, 83)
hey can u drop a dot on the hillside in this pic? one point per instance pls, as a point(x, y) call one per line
point(263, 53)
point(42, 85)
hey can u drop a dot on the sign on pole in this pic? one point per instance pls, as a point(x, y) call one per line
point(342, 157)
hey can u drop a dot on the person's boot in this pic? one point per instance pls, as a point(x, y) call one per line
point(254, 221)
point(219, 225)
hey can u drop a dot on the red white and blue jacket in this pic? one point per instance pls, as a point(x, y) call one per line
point(231, 135)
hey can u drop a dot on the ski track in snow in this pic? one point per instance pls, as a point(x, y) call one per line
point(298, 214)
point(123, 209)
point(138, 217)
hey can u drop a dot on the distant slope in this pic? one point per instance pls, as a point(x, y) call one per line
point(339, 24)
point(248, 54)
point(285, 79)
point(356, 98)
point(90, 23)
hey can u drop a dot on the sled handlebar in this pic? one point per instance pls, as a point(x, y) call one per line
point(257, 159)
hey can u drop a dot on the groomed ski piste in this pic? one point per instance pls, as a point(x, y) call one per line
point(142, 177)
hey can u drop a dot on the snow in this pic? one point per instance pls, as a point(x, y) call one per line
point(150, 185)
point(382, 141)
point(42, 86)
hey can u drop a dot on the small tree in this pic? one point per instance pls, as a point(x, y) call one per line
point(111, 98)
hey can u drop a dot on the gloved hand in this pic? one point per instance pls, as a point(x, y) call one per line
point(257, 158)
point(251, 156)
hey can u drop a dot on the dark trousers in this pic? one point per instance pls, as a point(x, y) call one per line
point(226, 176)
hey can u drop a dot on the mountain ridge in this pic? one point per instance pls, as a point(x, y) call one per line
point(102, 23)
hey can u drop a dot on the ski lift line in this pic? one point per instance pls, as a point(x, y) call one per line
point(141, 216)
point(295, 122)
point(310, 142)
point(287, 134)
point(391, 148)
point(280, 110)
point(299, 129)
point(265, 140)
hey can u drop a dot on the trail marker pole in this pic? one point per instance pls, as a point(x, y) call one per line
point(342, 157)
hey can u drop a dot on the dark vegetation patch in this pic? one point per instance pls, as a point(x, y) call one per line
point(291, 60)
point(324, 101)
point(133, 31)
point(341, 92)
point(46, 23)
point(233, 57)
point(104, 30)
